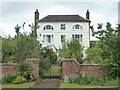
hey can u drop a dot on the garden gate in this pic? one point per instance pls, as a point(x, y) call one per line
point(54, 72)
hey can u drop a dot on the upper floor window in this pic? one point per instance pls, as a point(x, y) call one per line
point(77, 27)
point(62, 26)
point(48, 27)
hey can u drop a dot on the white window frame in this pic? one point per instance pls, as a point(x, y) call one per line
point(80, 27)
point(79, 38)
point(62, 26)
point(46, 28)
point(45, 38)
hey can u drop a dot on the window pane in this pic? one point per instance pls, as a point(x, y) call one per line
point(62, 38)
point(62, 26)
point(48, 27)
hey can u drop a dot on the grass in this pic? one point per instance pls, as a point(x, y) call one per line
point(71, 85)
point(23, 85)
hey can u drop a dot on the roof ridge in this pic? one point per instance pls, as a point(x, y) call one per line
point(64, 18)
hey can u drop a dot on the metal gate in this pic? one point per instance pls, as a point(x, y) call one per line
point(54, 72)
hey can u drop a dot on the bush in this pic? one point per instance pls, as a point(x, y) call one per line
point(96, 81)
point(25, 70)
point(9, 79)
point(73, 50)
point(19, 79)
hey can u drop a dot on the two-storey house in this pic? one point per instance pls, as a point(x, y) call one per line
point(55, 30)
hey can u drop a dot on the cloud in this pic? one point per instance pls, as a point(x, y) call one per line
point(13, 13)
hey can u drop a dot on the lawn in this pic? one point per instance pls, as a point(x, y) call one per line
point(23, 85)
point(69, 85)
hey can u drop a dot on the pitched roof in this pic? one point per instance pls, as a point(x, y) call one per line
point(63, 18)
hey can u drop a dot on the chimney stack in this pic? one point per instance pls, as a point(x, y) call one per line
point(88, 15)
point(36, 15)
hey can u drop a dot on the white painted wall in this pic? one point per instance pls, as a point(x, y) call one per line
point(57, 32)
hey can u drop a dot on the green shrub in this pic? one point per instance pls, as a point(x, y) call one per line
point(73, 50)
point(9, 79)
point(82, 80)
point(96, 81)
point(25, 70)
point(19, 79)
point(112, 82)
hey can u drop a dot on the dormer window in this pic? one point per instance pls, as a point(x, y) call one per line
point(48, 27)
point(77, 27)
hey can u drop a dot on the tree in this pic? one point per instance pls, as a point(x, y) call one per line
point(20, 47)
point(73, 50)
point(110, 48)
point(17, 29)
point(34, 28)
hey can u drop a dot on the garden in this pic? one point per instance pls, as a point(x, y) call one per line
point(105, 51)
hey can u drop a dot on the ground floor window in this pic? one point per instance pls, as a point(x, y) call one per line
point(62, 38)
point(48, 38)
point(78, 37)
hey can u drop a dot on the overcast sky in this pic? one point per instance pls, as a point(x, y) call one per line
point(13, 13)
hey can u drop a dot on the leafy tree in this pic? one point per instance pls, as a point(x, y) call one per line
point(109, 46)
point(73, 50)
point(17, 29)
point(34, 28)
point(20, 47)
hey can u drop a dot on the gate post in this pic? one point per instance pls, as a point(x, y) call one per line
point(34, 63)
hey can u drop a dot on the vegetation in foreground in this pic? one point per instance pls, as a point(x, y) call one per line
point(23, 85)
point(71, 85)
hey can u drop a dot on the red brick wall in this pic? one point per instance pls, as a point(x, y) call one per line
point(74, 69)
point(8, 69)
point(35, 64)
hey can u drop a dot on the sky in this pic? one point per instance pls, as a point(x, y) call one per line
point(13, 13)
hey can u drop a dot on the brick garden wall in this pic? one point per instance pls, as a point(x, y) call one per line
point(74, 69)
point(35, 64)
point(10, 69)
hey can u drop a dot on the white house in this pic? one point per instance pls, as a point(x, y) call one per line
point(55, 30)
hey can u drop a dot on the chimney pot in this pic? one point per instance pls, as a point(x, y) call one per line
point(88, 15)
point(36, 15)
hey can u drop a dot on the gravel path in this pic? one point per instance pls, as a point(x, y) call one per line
point(47, 84)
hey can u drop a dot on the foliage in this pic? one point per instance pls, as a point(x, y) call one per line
point(96, 81)
point(17, 29)
point(9, 79)
point(19, 48)
point(34, 28)
point(21, 85)
point(95, 54)
point(48, 57)
point(74, 85)
point(73, 50)
point(25, 70)
point(19, 79)
point(106, 50)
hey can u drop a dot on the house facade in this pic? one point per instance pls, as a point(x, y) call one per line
point(55, 30)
